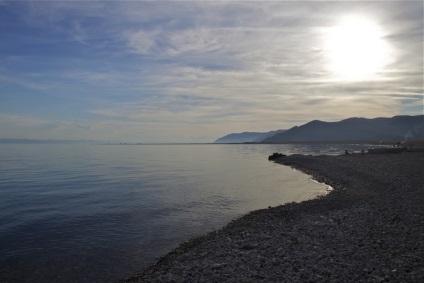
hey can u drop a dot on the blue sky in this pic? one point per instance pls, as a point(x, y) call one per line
point(193, 71)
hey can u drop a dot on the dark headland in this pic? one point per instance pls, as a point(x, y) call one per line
point(370, 228)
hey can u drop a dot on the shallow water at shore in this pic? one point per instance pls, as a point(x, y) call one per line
point(99, 213)
point(365, 230)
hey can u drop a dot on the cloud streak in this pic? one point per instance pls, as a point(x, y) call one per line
point(209, 67)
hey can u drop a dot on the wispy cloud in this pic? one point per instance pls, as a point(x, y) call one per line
point(78, 33)
point(211, 67)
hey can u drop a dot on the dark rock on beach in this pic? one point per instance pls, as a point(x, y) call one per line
point(370, 228)
point(275, 156)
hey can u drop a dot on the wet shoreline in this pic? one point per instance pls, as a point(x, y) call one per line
point(370, 228)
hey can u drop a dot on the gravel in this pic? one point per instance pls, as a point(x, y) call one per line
point(370, 228)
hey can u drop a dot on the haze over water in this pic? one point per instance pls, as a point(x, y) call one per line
point(100, 213)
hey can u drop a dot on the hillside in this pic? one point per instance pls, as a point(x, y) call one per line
point(397, 128)
point(246, 137)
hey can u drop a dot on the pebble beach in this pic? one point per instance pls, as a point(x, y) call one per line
point(369, 228)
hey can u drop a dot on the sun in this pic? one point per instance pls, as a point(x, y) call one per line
point(356, 49)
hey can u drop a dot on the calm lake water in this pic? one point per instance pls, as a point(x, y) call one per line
point(101, 213)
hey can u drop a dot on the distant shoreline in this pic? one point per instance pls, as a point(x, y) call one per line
point(369, 228)
point(48, 141)
point(384, 143)
point(418, 143)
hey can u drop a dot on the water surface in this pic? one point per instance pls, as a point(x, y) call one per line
point(100, 213)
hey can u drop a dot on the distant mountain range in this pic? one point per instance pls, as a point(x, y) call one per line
point(397, 128)
point(247, 137)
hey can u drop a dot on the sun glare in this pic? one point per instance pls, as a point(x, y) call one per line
point(356, 49)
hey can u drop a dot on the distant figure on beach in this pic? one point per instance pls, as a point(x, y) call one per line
point(346, 152)
point(362, 151)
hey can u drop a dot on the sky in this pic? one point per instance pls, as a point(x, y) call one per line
point(193, 71)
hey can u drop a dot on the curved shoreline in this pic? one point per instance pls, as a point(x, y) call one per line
point(369, 228)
